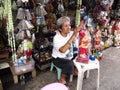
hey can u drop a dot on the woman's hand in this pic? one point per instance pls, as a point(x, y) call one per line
point(76, 30)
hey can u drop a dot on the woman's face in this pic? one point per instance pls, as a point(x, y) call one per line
point(66, 27)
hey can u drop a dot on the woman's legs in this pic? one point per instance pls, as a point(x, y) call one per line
point(63, 79)
point(75, 71)
point(67, 67)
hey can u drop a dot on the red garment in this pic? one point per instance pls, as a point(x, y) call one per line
point(97, 42)
point(83, 50)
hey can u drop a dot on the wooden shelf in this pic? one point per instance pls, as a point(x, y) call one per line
point(15, 75)
point(4, 65)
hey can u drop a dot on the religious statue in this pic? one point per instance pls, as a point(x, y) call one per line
point(97, 34)
point(84, 43)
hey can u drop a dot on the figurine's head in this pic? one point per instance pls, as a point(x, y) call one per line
point(118, 25)
point(112, 22)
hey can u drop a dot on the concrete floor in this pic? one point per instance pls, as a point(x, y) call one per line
point(109, 76)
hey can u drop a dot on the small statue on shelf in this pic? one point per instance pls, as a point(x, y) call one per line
point(105, 36)
point(84, 43)
point(97, 38)
point(117, 34)
point(25, 49)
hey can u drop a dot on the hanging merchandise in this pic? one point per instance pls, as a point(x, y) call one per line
point(27, 14)
point(45, 30)
point(105, 3)
point(61, 7)
point(19, 3)
point(40, 20)
point(90, 22)
point(42, 1)
point(20, 35)
point(14, 6)
point(33, 21)
point(20, 14)
point(24, 0)
point(46, 1)
point(23, 34)
point(49, 7)
point(24, 24)
point(40, 11)
point(49, 17)
point(23, 14)
point(83, 12)
point(49, 20)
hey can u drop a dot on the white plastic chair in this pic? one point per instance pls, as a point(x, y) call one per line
point(86, 67)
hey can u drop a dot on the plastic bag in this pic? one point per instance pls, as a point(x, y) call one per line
point(40, 11)
point(61, 7)
point(14, 6)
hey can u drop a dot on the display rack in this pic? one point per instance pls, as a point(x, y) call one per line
point(42, 50)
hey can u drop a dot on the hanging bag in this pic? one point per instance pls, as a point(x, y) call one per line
point(14, 6)
point(40, 11)
point(61, 7)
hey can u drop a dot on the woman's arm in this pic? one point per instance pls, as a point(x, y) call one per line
point(64, 48)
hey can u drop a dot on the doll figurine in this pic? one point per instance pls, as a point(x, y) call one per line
point(84, 42)
point(97, 38)
point(117, 34)
point(112, 27)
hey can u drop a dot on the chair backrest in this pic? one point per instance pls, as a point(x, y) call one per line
point(55, 86)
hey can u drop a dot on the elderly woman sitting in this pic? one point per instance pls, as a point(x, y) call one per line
point(63, 47)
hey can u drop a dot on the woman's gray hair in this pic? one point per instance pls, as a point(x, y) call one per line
point(61, 20)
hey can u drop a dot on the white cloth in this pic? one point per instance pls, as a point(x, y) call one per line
point(59, 41)
point(105, 2)
point(24, 0)
point(61, 7)
point(89, 21)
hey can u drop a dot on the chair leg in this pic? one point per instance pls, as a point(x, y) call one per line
point(71, 77)
point(98, 78)
point(51, 68)
point(59, 73)
point(80, 80)
point(88, 72)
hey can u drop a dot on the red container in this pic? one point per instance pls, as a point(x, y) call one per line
point(82, 60)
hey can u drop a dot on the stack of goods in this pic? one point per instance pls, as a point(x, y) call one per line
point(23, 36)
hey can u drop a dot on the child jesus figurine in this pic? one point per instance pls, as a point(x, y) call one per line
point(84, 43)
